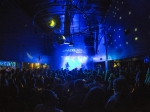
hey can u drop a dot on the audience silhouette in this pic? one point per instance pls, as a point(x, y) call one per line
point(91, 90)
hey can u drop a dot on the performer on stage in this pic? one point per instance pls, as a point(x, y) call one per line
point(82, 66)
point(67, 66)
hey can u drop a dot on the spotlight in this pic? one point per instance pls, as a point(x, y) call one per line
point(54, 22)
point(51, 23)
point(61, 39)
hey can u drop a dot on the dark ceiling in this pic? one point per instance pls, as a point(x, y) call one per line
point(121, 26)
point(72, 16)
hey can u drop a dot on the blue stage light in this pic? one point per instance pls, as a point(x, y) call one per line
point(73, 61)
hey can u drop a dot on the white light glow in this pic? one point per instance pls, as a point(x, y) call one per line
point(135, 29)
point(66, 58)
point(136, 38)
point(29, 56)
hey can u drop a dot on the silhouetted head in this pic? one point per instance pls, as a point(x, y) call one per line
point(120, 85)
point(79, 84)
point(68, 77)
point(140, 77)
point(49, 98)
point(39, 83)
point(94, 99)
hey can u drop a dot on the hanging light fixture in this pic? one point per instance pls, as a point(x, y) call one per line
point(52, 23)
point(61, 39)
